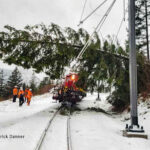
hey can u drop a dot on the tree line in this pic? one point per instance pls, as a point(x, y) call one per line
point(15, 79)
point(142, 24)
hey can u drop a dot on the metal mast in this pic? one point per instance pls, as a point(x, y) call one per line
point(132, 64)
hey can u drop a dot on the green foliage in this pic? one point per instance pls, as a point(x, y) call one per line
point(141, 23)
point(33, 83)
point(15, 79)
point(51, 49)
point(103, 69)
point(43, 48)
point(45, 81)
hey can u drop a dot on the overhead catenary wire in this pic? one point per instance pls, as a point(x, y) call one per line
point(83, 10)
point(106, 14)
point(119, 29)
point(101, 35)
point(81, 21)
point(125, 10)
point(96, 29)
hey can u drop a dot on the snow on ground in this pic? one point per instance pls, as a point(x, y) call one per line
point(27, 122)
point(90, 130)
point(56, 136)
point(90, 101)
point(100, 131)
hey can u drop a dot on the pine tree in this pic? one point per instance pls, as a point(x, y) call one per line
point(141, 24)
point(2, 85)
point(15, 79)
point(44, 82)
point(33, 83)
point(24, 86)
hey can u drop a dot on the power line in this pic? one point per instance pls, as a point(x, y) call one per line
point(97, 28)
point(92, 12)
point(101, 35)
point(119, 29)
point(83, 10)
point(123, 20)
point(124, 9)
point(106, 14)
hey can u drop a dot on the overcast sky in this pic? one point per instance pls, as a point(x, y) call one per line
point(65, 13)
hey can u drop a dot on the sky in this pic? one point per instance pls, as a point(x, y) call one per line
point(65, 13)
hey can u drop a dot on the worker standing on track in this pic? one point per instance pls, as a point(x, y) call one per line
point(26, 93)
point(29, 95)
point(21, 96)
point(15, 92)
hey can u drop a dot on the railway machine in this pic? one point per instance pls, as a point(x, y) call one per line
point(68, 93)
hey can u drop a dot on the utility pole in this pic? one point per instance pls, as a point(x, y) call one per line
point(147, 38)
point(132, 64)
point(134, 127)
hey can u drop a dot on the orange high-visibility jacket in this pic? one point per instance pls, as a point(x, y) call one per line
point(29, 94)
point(20, 92)
point(15, 91)
point(26, 92)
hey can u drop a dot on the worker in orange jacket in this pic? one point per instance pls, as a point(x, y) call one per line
point(15, 92)
point(21, 96)
point(26, 93)
point(29, 95)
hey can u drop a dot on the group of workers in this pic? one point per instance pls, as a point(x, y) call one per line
point(24, 96)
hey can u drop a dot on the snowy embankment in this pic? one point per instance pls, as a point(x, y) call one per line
point(21, 127)
point(90, 130)
point(96, 130)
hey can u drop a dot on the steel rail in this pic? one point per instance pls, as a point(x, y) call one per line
point(39, 144)
point(69, 143)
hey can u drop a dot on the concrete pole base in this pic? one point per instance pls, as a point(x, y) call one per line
point(134, 134)
point(134, 131)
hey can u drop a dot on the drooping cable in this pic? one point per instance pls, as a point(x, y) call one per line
point(123, 20)
point(83, 10)
point(81, 21)
point(124, 9)
point(119, 29)
point(101, 35)
point(96, 29)
point(106, 14)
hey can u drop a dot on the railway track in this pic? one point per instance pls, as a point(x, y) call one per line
point(69, 143)
point(40, 142)
point(68, 132)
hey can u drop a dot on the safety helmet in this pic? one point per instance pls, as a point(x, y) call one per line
point(21, 88)
point(15, 86)
point(30, 89)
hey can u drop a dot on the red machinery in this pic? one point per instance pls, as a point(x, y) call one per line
point(69, 92)
point(71, 80)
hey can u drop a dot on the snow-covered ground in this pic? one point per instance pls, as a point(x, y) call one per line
point(89, 130)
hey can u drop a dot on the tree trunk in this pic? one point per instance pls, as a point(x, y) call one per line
point(98, 96)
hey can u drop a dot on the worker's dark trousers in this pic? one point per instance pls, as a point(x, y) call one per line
point(21, 100)
point(14, 98)
point(25, 99)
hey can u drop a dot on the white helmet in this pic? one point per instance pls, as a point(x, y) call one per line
point(21, 88)
point(30, 89)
